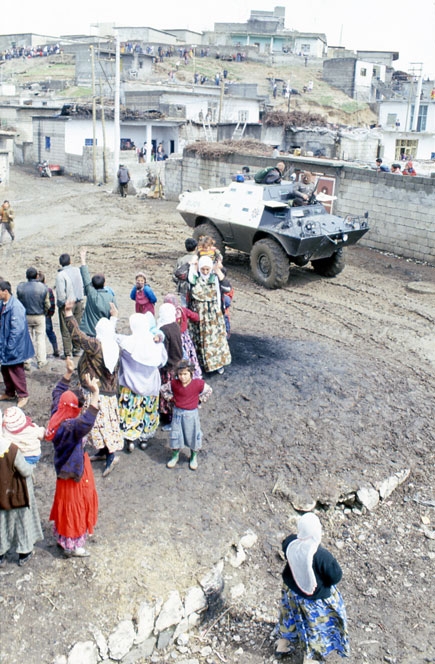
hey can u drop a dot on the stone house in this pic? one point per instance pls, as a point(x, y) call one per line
point(310, 44)
point(361, 80)
point(134, 65)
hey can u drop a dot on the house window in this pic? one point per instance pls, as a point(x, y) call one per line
point(243, 116)
point(391, 119)
point(211, 112)
point(47, 143)
point(305, 48)
point(363, 71)
point(89, 142)
point(422, 117)
point(407, 148)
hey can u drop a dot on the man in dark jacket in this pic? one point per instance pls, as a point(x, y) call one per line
point(34, 297)
point(15, 346)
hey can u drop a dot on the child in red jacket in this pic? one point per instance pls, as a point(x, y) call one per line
point(186, 392)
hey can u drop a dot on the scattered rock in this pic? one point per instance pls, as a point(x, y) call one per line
point(145, 618)
point(237, 556)
point(171, 613)
point(164, 638)
point(248, 540)
point(368, 497)
point(121, 640)
point(83, 652)
point(194, 601)
point(101, 643)
point(213, 582)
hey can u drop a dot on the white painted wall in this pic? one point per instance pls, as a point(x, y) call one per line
point(76, 131)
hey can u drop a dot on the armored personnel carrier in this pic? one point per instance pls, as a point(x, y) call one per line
point(262, 221)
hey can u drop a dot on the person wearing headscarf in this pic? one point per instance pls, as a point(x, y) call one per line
point(208, 283)
point(167, 324)
point(184, 316)
point(100, 359)
point(312, 616)
point(19, 429)
point(20, 526)
point(142, 353)
point(75, 504)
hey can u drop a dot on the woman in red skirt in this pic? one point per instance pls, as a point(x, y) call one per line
point(75, 504)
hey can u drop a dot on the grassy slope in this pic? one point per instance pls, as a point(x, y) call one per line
point(324, 99)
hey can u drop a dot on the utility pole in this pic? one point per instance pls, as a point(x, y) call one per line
point(103, 128)
point(94, 118)
point(116, 129)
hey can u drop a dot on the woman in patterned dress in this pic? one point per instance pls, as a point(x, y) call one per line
point(208, 282)
point(142, 353)
point(312, 616)
point(20, 526)
point(184, 316)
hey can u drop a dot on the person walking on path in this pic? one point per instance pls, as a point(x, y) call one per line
point(15, 346)
point(34, 297)
point(75, 504)
point(51, 334)
point(7, 219)
point(69, 287)
point(100, 359)
point(312, 616)
point(98, 298)
point(123, 176)
point(20, 526)
point(186, 392)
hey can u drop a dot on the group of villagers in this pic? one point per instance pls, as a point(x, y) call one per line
point(128, 385)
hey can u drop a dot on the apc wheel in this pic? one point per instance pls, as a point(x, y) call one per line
point(331, 266)
point(207, 228)
point(269, 264)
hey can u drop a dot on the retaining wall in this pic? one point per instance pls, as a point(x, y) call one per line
point(401, 209)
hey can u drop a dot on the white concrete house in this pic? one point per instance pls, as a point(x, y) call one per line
point(404, 132)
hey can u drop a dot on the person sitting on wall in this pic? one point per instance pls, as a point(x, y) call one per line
point(270, 175)
point(395, 168)
point(381, 167)
point(409, 169)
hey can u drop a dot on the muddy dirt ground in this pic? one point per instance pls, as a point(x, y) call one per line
point(331, 388)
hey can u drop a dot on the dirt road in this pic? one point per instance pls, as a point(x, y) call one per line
point(331, 388)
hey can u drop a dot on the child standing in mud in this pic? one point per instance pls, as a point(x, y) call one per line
point(143, 295)
point(186, 392)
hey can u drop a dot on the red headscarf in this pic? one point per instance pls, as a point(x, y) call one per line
point(67, 409)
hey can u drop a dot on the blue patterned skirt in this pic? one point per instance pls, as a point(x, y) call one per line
point(318, 626)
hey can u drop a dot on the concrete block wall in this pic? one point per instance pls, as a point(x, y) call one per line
point(401, 209)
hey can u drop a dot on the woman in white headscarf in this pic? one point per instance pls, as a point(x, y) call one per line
point(20, 526)
point(100, 359)
point(312, 616)
point(142, 353)
point(207, 282)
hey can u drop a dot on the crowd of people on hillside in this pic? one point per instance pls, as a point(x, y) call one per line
point(30, 51)
point(127, 386)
